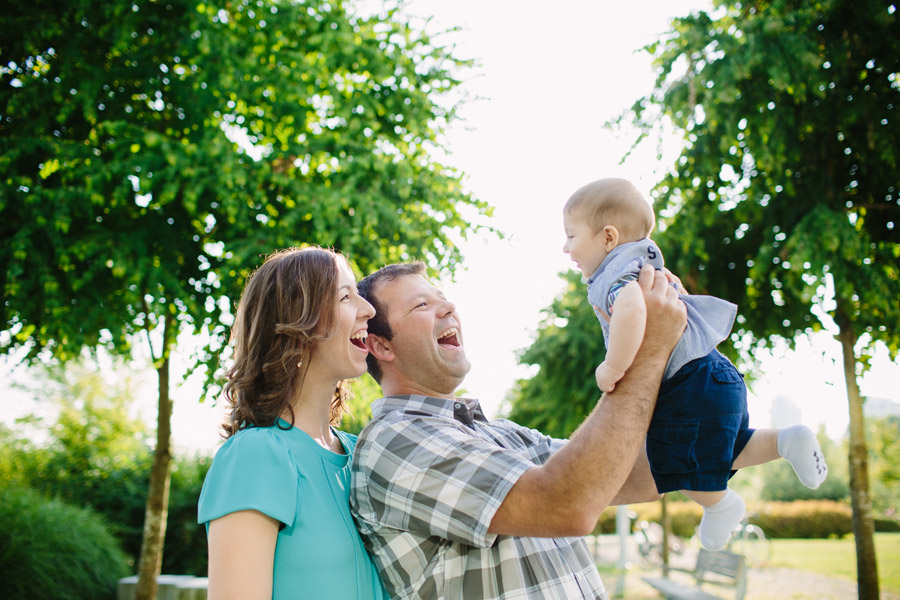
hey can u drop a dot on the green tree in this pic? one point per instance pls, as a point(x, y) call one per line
point(151, 152)
point(568, 347)
point(786, 196)
point(90, 450)
point(364, 391)
point(882, 435)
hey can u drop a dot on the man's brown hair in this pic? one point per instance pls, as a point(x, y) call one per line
point(378, 324)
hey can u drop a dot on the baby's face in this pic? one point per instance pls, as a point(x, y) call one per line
point(583, 245)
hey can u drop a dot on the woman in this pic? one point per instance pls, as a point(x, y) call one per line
point(276, 499)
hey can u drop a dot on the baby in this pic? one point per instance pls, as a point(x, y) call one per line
point(699, 434)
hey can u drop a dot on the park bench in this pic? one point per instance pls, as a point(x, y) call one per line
point(723, 569)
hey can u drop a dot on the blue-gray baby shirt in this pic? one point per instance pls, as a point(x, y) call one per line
point(709, 319)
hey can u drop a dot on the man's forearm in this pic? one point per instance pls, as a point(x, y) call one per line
point(566, 495)
point(640, 485)
point(605, 448)
point(582, 479)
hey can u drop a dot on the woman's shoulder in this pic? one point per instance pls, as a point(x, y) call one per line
point(252, 470)
point(252, 443)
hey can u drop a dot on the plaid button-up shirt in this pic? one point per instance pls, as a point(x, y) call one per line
point(428, 476)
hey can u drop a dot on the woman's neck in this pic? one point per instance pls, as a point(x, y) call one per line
point(312, 412)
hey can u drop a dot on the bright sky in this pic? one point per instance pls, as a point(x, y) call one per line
point(549, 78)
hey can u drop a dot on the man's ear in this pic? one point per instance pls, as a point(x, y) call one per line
point(379, 347)
point(610, 237)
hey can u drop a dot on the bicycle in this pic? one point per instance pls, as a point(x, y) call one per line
point(648, 536)
point(751, 541)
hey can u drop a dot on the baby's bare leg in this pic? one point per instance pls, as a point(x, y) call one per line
point(797, 444)
point(762, 447)
point(704, 499)
point(722, 511)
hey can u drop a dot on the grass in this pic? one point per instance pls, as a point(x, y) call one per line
point(829, 558)
point(837, 558)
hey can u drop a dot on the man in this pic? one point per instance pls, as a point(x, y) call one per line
point(454, 506)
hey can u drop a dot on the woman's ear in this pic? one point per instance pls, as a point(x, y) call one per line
point(379, 347)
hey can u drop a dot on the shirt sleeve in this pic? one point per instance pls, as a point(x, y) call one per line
point(540, 446)
point(253, 470)
point(434, 477)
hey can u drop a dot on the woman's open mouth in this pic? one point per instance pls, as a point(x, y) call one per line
point(358, 339)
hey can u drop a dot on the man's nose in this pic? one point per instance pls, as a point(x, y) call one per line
point(447, 307)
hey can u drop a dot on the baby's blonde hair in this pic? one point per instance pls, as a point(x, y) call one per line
point(616, 202)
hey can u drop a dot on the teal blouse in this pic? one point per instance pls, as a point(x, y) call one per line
point(286, 475)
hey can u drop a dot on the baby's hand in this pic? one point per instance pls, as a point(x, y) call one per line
point(607, 377)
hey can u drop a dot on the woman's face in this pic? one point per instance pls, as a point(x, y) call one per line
point(343, 354)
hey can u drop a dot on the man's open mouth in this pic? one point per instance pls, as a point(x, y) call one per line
point(449, 338)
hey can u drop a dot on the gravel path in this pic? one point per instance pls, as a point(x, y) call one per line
point(769, 583)
point(766, 583)
point(774, 583)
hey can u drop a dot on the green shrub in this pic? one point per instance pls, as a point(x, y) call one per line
point(683, 516)
point(185, 551)
point(607, 522)
point(887, 526)
point(799, 519)
point(804, 519)
point(119, 494)
point(50, 549)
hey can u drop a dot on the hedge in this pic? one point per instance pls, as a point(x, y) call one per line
point(798, 519)
point(50, 549)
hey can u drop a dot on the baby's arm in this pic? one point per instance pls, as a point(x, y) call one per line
point(628, 319)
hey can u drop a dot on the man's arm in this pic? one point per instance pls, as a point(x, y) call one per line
point(640, 486)
point(566, 495)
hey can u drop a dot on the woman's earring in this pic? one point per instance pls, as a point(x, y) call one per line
point(300, 364)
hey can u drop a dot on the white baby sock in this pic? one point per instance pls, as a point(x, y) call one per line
point(719, 521)
point(799, 446)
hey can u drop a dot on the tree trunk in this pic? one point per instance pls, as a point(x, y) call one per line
point(157, 510)
point(863, 525)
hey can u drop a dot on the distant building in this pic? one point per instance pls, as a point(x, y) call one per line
point(877, 408)
point(784, 412)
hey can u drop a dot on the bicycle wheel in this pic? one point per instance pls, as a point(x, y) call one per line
point(754, 545)
point(649, 544)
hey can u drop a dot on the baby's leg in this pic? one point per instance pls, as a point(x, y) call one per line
point(762, 447)
point(722, 511)
point(797, 444)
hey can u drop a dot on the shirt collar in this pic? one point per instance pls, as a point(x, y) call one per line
point(611, 256)
point(464, 410)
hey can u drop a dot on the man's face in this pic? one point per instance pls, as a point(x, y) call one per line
point(427, 347)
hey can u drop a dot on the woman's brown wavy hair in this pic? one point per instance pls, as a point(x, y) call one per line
point(288, 304)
